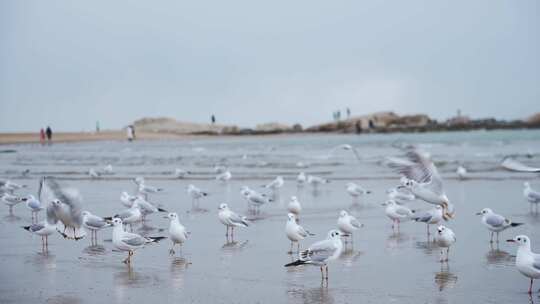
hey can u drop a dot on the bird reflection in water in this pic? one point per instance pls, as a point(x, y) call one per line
point(395, 239)
point(495, 256)
point(350, 256)
point(95, 250)
point(445, 279)
point(311, 295)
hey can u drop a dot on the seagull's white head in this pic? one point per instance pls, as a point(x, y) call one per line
point(527, 184)
point(332, 234)
point(485, 211)
point(294, 198)
point(116, 222)
point(343, 213)
point(223, 207)
point(291, 217)
point(441, 229)
point(56, 203)
point(521, 240)
point(172, 216)
point(85, 213)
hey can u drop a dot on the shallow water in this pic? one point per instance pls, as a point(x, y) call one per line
point(381, 266)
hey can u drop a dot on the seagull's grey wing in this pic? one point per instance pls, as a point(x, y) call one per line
point(418, 167)
point(534, 194)
point(124, 214)
point(235, 218)
point(132, 239)
point(424, 218)
point(34, 204)
point(536, 261)
point(96, 222)
point(402, 210)
point(302, 231)
point(36, 227)
point(319, 252)
point(50, 189)
point(495, 220)
point(355, 222)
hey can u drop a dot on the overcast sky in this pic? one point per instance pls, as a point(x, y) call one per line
point(70, 63)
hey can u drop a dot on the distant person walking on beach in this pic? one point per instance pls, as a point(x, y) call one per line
point(348, 113)
point(42, 136)
point(49, 135)
point(130, 133)
point(213, 119)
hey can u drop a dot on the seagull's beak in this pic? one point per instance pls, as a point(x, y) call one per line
point(510, 241)
point(165, 217)
point(478, 213)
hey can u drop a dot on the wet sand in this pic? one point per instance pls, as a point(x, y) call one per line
point(382, 266)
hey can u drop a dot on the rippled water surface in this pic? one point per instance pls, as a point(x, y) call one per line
point(381, 267)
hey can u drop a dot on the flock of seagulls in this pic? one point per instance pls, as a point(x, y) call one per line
point(419, 180)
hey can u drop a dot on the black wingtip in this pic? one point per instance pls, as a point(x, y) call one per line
point(162, 210)
point(27, 228)
point(157, 238)
point(109, 218)
point(295, 263)
point(516, 224)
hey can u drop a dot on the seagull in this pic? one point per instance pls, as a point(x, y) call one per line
point(180, 173)
point(93, 173)
point(295, 233)
point(445, 238)
point(108, 169)
point(67, 206)
point(125, 241)
point(430, 217)
point(43, 229)
point(220, 169)
point(275, 184)
point(527, 262)
point(347, 224)
point(9, 186)
point(195, 194)
point(461, 172)
point(127, 200)
point(94, 223)
point(294, 206)
point(348, 147)
point(495, 222)
point(423, 179)
point(254, 198)
point(355, 191)
point(146, 207)
point(301, 179)
point(400, 195)
point(397, 213)
point(315, 181)
point(531, 195)
point(11, 201)
point(177, 232)
point(130, 216)
point(144, 189)
point(230, 219)
point(224, 177)
point(322, 252)
point(34, 205)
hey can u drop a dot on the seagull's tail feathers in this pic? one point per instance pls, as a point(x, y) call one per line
point(162, 210)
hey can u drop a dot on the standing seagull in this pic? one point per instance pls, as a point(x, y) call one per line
point(94, 223)
point(224, 177)
point(45, 228)
point(69, 208)
point(301, 180)
point(180, 173)
point(230, 219)
point(461, 172)
point(127, 200)
point(495, 222)
point(430, 217)
point(34, 205)
point(356, 191)
point(347, 147)
point(125, 241)
point(397, 213)
point(531, 195)
point(11, 201)
point(527, 262)
point(347, 224)
point(93, 173)
point(195, 194)
point(423, 179)
point(315, 181)
point(177, 231)
point(255, 199)
point(322, 252)
point(400, 195)
point(295, 233)
point(445, 238)
point(294, 206)
point(108, 169)
point(275, 184)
